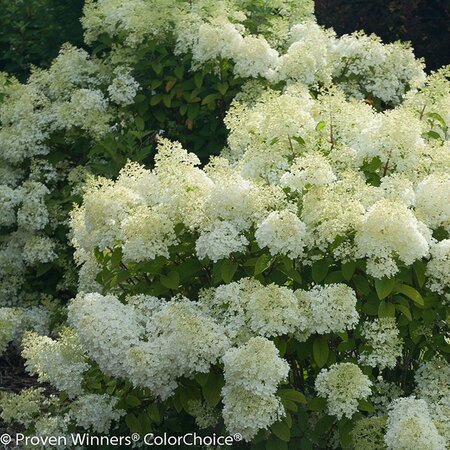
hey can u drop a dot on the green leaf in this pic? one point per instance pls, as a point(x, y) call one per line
point(228, 270)
point(386, 309)
point(320, 125)
point(317, 404)
point(292, 394)
point(299, 140)
point(116, 257)
point(365, 405)
point(410, 292)
point(320, 350)
point(210, 98)
point(281, 431)
point(419, 270)
point(132, 401)
point(276, 444)
point(212, 389)
point(222, 88)
point(405, 310)
point(140, 124)
point(319, 270)
point(43, 268)
point(155, 99)
point(384, 287)
point(198, 80)
point(171, 281)
point(133, 423)
point(433, 134)
point(201, 378)
point(437, 117)
point(262, 263)
point(361, 284)
point(348, 269)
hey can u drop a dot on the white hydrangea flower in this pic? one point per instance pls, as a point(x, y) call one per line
point(33, 214)
point(95, 412)
point(398, 188)
point(255, 366)
point(432, 206)
point(123, 88)
point(146, 234)
point(343, 385)
point(384, 392)
point(252, 374)
point(410, 426)
point(390, 230)
point(23, 407)
point(9, 324)
point(385, 344)
point(224, 239)
point(432, 386)
point(438, 267)
point(283, 233)
point(9, 199)
point(368, 433)
point(310, 169)
point(330, 308)
point(87, 109)
point(205, 415)
point(247, 308)
point(106, 328)
point(246, 413)
point(61, 362)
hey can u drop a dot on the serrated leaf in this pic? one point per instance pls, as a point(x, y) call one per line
point(228, 270)
point(319, 270)
point(262, 263)
point(320, 350)
point(384, 287)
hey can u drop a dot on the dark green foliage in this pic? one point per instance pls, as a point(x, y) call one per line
point(32, 31)
point(426, 23)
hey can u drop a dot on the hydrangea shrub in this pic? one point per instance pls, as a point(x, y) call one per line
point(294, 288)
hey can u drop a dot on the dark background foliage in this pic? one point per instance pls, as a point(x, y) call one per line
point(425, 23)
point(32, 31)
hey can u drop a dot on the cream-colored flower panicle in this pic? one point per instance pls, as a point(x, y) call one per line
point(343, 385)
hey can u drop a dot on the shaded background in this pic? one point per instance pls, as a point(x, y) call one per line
point(425, 23)
point(32, 31)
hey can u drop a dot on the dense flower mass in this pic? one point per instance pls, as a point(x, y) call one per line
point(293, 288)
point(343, 385)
